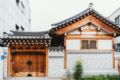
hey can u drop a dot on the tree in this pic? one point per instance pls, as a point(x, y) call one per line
point(78, 70)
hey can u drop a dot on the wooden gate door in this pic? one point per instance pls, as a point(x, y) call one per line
point(28, 64)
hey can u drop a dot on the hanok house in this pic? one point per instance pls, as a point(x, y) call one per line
point(87, 36)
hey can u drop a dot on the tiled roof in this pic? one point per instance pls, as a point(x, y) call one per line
point(26, 38)
point(27, 35)
point(87, 12)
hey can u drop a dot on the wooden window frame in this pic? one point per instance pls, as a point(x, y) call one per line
point(81, 48)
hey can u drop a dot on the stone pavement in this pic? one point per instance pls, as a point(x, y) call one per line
point(31, 78)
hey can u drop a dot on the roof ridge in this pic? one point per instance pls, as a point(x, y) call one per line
point(88, 9)
point(81, 15)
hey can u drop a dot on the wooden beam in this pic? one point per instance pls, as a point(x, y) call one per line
point(86, 36)
point(9, 67)
point(65, 54)
point(28, 50)
point(113, 54)
point(46, 71)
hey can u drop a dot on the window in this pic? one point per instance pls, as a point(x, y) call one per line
point(92, 44)
point(22, 5)
point(17, 1)
point(22, 28)
point(22, 8)
point(89, 44)
point(17, 27)
point(85, 44)
point(117, 20)
point(30, 20)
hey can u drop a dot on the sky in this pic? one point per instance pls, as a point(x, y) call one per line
point(46, 12)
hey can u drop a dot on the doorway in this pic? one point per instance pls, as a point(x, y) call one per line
point(28, 64)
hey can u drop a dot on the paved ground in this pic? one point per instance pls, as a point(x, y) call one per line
point(31, 78)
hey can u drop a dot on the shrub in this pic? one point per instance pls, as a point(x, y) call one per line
point(78, 70)
point(102, 77)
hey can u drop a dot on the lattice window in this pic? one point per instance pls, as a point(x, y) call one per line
point(89, 44)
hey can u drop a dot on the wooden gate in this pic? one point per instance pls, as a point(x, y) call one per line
point(28, 64)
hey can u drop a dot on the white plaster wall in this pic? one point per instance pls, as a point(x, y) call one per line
point(93, 62)
point(104, 44)
point(5, 62)
point(74, 32)
point(89, 33)
point(102, 32)
point(1, 65)
point(73, 44)
point(5, 67)
point(56, 64)
point(10, 14)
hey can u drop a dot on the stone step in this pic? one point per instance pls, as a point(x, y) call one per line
point(31, 78)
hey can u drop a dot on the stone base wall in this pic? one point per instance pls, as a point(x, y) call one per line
point(56, 64)
point(94, 63)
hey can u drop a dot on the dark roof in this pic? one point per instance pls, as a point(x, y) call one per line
point(27, 35)
point(26, 38)
point(1, 42)
point(88, 11)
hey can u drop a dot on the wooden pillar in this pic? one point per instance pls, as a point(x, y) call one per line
point(65, 54)
point(9, 67)
point(113, 58)
point(46, 71)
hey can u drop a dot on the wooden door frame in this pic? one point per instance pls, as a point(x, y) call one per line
point(9, 65)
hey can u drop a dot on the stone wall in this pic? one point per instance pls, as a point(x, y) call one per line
point(56, 63)
point(94, 63)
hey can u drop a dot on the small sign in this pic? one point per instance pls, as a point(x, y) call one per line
point(5, 53)
point(2, 57)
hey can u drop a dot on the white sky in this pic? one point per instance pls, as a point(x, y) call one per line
point(46, 12)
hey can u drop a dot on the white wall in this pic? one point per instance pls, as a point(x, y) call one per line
point(73, 44)
point(93, 62)
point(1, 65)
point(74, 32)
point(105, 44)
point(89, 33)
point(56, 64)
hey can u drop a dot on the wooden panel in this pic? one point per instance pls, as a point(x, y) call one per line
point(41, 65)
point(46, 65)
point(28, 50)
point(28, 63)
point(100, 36)
point(65, 54)
point(9, 71)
